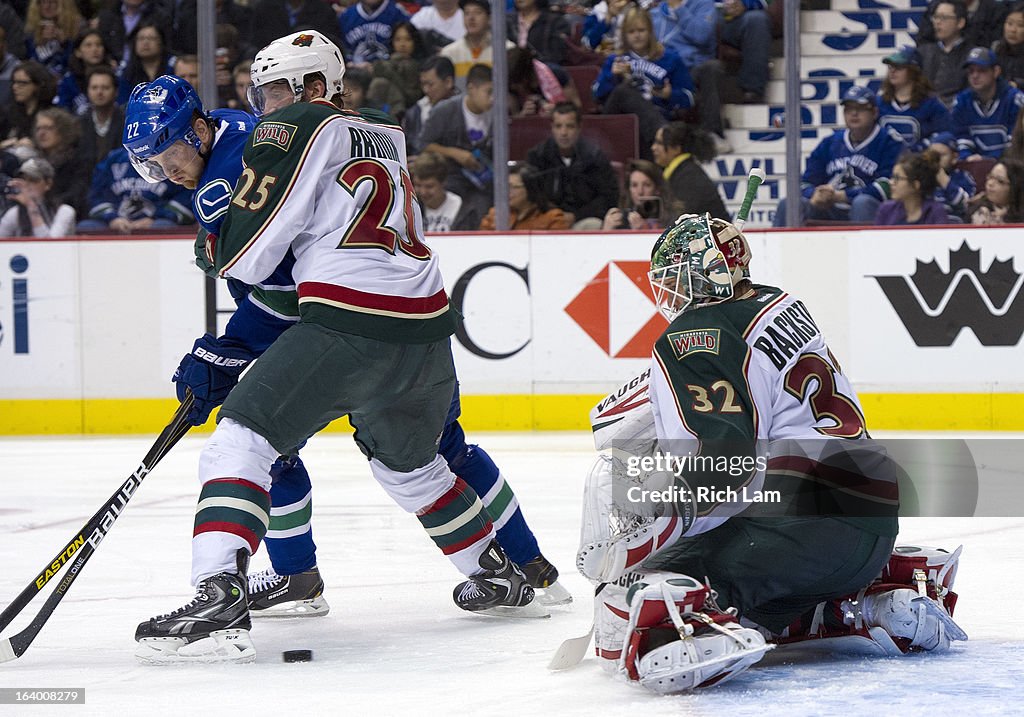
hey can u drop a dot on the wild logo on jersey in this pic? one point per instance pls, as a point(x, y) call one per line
point(275, 134)
point(694, 341)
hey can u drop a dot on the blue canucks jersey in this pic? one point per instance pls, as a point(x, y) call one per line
point(223, 167)
point(915, 124)
point(862, 168)
point(366, 35)
point(266, 312)
point(985, 130)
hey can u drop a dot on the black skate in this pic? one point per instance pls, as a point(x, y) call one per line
point(213, 627)
point(300, 595)
point(501, 589)
point(543, 576)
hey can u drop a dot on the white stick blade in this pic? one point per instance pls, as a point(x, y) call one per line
point(571, 652)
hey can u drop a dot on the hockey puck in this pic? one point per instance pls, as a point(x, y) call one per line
point(297, 655)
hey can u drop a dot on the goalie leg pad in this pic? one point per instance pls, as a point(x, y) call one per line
point(673, 637)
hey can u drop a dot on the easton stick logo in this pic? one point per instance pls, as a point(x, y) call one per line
point(935, 306)
point(59, 563)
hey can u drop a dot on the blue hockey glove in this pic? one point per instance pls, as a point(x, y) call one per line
point(211, 370)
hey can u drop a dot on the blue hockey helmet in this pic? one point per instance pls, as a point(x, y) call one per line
point(159, 114)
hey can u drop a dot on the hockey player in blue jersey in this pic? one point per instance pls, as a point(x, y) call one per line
point(211, 149)
point(847, 174)
point(984, 114)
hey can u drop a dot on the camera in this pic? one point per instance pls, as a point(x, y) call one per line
point(5, 186)
point(647, 208)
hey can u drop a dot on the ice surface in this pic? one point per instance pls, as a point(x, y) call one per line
point(394, 643)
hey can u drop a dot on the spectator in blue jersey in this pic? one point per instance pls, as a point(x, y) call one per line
point(913, 193)
point(366, 29)
point(148, 58)
point(745, 25)
point(955, 186)
point(89, 51)
point(123, 202)
point(645, 79)
point(847, 174)
point(690, 28)
point(50, 28)
point(1010, 49)
point(603, 25)
point(907, 102)
point(942, 58)
point(985, 113)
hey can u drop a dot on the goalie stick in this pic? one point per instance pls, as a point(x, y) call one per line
point(572, 651)
point(85, 542)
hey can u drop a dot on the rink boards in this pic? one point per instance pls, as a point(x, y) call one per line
point(927, 323)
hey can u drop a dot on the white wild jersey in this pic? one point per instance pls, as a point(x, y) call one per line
point(332, 189)
point(753, 368)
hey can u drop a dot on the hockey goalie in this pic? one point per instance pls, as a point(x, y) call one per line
point(739, 504)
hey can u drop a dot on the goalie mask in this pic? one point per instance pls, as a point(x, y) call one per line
point(279, 70)
point(696, 262)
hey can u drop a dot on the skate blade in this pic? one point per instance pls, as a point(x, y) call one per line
point(534, 610)
point(553, 595)
point(317, 607)
point(221, 646)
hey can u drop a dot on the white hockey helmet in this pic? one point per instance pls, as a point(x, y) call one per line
point(291, 58)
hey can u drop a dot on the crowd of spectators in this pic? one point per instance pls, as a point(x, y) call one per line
point(67, 68)
point(942, 141)
point(908, 154)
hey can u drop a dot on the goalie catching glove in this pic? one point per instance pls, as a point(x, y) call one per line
point(210, 370)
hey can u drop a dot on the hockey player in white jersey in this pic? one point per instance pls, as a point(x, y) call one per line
point(328, 191)
point(743, 374)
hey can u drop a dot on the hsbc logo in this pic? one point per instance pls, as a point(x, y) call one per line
point(616, 310)
point(935, 305)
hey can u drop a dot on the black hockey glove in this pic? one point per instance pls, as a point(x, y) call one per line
point(211, 370)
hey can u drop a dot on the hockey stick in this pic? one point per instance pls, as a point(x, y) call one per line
point(85, 542)
point(754, 180)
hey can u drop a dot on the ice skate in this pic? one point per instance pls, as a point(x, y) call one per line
point(213, 627)
point(501, 589)
point(300, 595)
point(543, 577)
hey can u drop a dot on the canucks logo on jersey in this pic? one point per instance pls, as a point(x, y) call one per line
point(213, 195)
